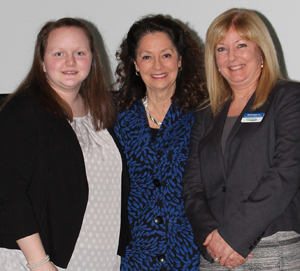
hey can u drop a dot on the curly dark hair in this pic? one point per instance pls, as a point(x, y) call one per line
point(190, 89)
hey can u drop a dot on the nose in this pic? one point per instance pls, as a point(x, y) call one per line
point(157, 64)
point(231, 55)
point(70, 60)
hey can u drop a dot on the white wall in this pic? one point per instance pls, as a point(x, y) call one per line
point(20, 21)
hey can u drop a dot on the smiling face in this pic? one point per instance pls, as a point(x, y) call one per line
point(157, 61)
point(67, 59)
point(239, 61)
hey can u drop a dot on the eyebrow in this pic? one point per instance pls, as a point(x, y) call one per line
point(234, 42)
point(147, 51)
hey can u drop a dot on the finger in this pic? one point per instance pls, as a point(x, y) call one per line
point(216, 259)
point(207, 240)
point(222, 261)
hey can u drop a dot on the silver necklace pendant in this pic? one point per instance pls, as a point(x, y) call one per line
point(145, 103)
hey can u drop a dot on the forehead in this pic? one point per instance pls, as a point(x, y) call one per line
point(229, 35)
point(65, 35)
point(155, 40)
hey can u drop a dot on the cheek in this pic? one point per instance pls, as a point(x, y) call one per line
point(219, 61)
point(142, 67)
point(50, 65)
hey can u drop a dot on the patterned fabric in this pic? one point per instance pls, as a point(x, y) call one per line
point(162, 237)
point(277, 252)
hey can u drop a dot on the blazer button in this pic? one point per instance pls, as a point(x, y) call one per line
point(223, 188)
point(251, 247)
point(158, 220)
point(161, 258)
point(156, 182)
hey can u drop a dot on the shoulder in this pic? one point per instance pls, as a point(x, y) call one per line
point(132, 113)
point(21, 103)
point(285, 91)
point(287, 84)
point(286, 87)
point(204, 113)
point(23, 111)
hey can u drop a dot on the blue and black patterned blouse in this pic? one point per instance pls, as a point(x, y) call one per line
point(162, 237)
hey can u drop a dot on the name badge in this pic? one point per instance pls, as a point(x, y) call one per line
point(252, 117)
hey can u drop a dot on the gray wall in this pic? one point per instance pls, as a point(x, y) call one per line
point(22, 19)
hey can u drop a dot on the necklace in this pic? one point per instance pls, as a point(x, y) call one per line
point(145, 103)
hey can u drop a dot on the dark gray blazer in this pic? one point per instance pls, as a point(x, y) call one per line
point(43, 185)
point(253, 190)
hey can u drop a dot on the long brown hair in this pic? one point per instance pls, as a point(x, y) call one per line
point(94, 89)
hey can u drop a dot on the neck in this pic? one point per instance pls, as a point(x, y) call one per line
point(160, 101)
point(75, 101)
point(240, 99)
point(245, 92)
point(156, 106)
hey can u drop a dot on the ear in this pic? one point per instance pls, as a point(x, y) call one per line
point(136, 66)
point(179, 62)
point(44, 67)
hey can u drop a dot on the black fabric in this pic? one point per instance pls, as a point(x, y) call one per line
point(43, 185)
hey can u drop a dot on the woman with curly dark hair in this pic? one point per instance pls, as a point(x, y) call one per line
point(162, 83)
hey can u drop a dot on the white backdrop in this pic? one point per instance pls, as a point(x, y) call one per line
point(21, 20)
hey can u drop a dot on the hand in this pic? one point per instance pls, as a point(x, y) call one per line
point(217, 247)
point(235, 259)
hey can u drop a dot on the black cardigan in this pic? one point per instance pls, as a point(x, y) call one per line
point(43, 185)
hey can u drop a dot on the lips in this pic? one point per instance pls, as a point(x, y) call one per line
point(234, 68)
point(159, 76)
point(69, 72)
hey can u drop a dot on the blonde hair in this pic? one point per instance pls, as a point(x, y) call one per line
point(249, 26)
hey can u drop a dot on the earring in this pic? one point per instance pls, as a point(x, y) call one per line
point(220, 73)
point(180, 68)
point(137, 73)
point(262, 63)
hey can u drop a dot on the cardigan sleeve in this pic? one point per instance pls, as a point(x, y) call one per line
point(18, 145)
point(198, 212)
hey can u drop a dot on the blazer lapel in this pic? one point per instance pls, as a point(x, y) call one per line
point(219, 122)
point(236, 126)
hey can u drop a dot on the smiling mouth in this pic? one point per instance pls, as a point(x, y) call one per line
point(74, 72)
point(159, 76)
point(236, 67)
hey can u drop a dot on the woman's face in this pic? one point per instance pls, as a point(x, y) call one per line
point(157, 61)
point(67, 59)
point(239, 61)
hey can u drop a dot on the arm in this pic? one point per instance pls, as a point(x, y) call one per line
point(198, 212)
point(18, 144)
point(34, 252)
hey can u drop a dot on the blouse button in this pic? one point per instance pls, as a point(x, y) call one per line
point(161, 258)
point(156, 182)
point(158, 220)
point(223, 188)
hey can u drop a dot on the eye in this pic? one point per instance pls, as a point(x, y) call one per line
point(241, 45)
point(221, 49)
point(58, 54)
point(80, 53)
point(146, 57)
point(167, 55)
